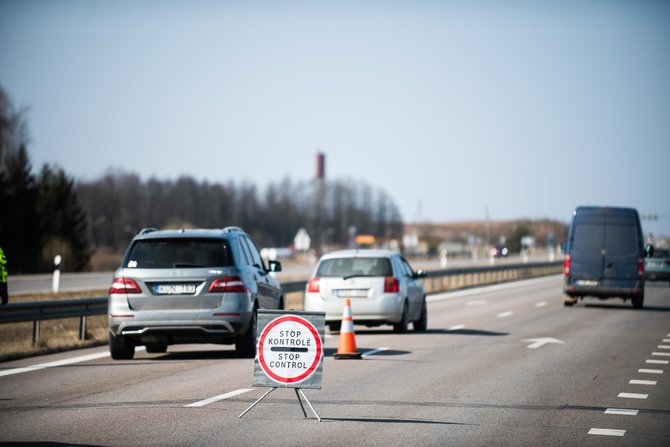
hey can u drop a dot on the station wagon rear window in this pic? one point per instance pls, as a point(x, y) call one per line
point(178, 253)
point(345, 267)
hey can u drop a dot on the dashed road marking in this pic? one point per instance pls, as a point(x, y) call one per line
point(606, 432)
point(663, 346)
point(657, 362)
point(661, 354)
point(633, 396)
point(211, 400)
point(642, 382)
point(650, 371)
point(476, 303)
point(621, 411)
point(509, 313)
point(541, 304)
point(373, 352)
point(456, 327)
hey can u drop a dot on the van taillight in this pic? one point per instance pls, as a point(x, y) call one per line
point(391, 284)
point(124, 285)
point(228, 284)
point(313, 285)
point(640, 267)
point(566, 266)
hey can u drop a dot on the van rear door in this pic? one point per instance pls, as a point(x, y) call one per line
point(586, 249)
point(621, 250)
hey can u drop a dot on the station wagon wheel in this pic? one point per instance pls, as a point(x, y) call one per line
point(401, 328)
point(422, 323)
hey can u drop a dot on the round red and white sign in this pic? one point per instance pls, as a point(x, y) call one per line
point(289, 349)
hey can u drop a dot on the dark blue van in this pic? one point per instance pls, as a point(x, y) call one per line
point(604, 255)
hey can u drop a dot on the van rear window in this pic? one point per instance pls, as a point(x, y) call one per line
point(621, 240)
point(588, 239)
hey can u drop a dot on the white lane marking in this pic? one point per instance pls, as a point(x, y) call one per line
point(642, 382)
point(373, 352)
point(606, 432)
point(493, 288)
point(509, 313)
point(82, 358)
point(633, 396)
point(211, 400)
point(650, 371)
point(621, 411)
point(539, 342)
point(541, 304)
point(657, 362)
point(666, 340)
point(663, 346)
point(456, 327)
point(661, 354)
point(477, 303)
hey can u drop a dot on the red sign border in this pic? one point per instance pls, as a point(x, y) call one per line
point(261, 342)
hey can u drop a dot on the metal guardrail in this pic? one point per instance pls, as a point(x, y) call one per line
point(436, 281)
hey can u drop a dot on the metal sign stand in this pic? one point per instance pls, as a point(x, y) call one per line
point(298, 392)
point(289, 353)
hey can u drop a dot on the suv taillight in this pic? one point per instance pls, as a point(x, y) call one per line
point(566, 266)
point(391, 284)
point(640, 267)
point(228, 284)
point(313, 285)
point(124, 285)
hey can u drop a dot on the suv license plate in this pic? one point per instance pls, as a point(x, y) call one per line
point(175, 289)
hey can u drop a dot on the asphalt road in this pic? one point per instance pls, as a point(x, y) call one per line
point(504, 365)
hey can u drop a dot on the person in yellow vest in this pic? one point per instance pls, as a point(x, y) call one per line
point(3, 278)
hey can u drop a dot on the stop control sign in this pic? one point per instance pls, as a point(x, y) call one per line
point(289, 350)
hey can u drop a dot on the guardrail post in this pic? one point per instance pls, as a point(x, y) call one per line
point(36, 331)
point(82, 327)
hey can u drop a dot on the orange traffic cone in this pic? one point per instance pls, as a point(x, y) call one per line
point(346, 349)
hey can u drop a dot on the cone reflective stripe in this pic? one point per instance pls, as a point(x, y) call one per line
point(346, 349)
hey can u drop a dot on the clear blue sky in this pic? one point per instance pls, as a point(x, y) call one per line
point(457, 109)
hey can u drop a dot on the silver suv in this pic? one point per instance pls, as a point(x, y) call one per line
point(190, 286)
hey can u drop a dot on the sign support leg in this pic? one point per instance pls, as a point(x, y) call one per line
point(254, 404)
point(308, 403)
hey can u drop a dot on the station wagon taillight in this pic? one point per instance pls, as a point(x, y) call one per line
point(124, 285)
point(566, 266)
point(313, 285)
point(391, 284)
point(228, 284)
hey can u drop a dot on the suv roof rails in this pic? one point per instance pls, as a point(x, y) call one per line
point(232, 228)
point(147, 230)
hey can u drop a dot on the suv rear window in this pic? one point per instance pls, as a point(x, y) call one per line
point(343, 267)
point(178, 253)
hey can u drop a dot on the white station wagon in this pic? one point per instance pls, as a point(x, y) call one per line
point(381, 285)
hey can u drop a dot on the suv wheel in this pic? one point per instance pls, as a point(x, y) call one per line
point(401, 328)
point(638, 301)
point(246, 344)
point(121, 348)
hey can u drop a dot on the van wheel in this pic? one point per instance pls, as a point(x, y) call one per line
point(638, 301)
point(569, 301)
point(121, 348)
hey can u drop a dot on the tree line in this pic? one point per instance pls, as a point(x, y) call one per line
point(120, 204)
point(49, 213)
